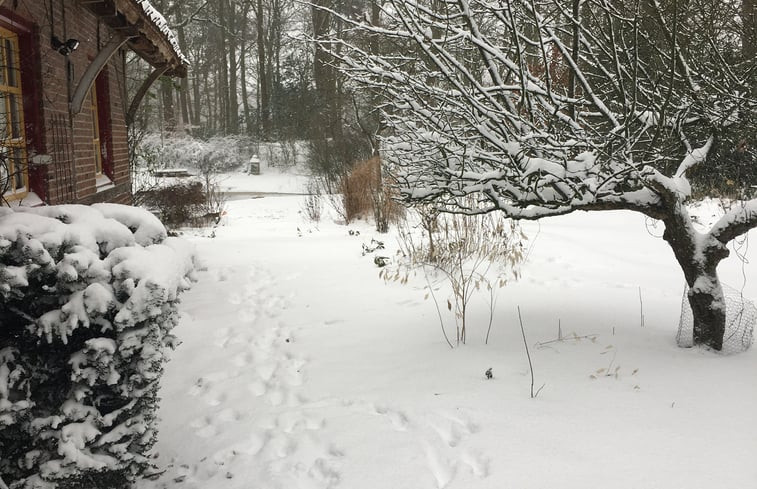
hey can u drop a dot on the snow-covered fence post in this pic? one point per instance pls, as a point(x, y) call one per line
point(89, 296)
point(537, 109)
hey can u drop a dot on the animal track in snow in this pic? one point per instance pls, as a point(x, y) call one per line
point(270, 436)
point(285, 444)
point(478, 464)
point(445, 440)
point(442, 469)
point(452, 429)
point(216, 400)
point(450, 453)
point(398, 419)
point(204, 427)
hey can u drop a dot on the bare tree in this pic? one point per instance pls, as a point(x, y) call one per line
point(479, 105)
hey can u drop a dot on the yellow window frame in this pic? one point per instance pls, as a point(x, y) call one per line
point(13, 136)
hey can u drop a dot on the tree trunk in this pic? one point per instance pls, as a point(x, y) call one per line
point(323, 73)
point(184, 93)
point(575, 50)
point(699, 264)
point(273, 53)
point(708, 311)
point(265, 97)
point(243, 76)
point(749, 34)
point(380, 200)
point(212, 107)
point(196, 100)
point(166, 92)
point(223, 88)
point(233, 113)
point(749, 29)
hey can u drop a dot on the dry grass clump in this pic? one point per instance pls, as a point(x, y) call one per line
point(366, 191)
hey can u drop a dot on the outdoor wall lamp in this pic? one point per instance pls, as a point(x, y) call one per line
point(64, 48)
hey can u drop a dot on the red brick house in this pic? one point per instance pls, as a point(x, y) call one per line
point(63, 100)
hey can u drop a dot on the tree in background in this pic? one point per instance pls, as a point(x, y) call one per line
point(540, 108)
point(251, 70)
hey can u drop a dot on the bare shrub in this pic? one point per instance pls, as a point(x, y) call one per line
point(471, 253)
point(283, 154)
point(332, 158)
point(215, 200)
point(312, 206)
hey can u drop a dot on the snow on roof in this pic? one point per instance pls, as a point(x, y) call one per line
point(161, 24)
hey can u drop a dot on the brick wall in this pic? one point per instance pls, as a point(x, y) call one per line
point(58, 78)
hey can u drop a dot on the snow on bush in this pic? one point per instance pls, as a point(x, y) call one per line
point(89, 297)
point(218, 154)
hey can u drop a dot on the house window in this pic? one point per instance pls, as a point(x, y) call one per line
point(102, 139)
point(14, 172)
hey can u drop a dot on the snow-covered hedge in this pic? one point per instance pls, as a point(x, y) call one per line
point(88, 296)
point(218, 154)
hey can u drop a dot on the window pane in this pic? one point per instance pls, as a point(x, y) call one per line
point(19, 167)
point(14, 117)
point(12, 139)
point(4, 172)
point(3, 63)
point(10, 61)
point(4, 118)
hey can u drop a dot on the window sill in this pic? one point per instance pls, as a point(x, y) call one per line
point(30, 199)
point(102, 182)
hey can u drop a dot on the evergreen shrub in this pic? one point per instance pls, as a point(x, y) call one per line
point(88, 297)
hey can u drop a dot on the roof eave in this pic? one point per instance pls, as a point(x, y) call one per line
point(128, 18)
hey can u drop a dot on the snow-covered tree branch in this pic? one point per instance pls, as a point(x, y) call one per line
point(543, 107)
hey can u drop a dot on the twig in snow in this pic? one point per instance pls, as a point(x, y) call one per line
point(528, 355)
point(438, 310)
point(492, 306)
point(641, 308)
point(591, 337)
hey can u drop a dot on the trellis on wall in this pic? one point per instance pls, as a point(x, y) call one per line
point(62, 175)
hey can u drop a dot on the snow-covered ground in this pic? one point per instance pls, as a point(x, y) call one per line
point(300, 368)
point(270, 181)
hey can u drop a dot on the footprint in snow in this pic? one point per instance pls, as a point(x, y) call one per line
point(257, 387)
point(398, 418)
point(453, 429)
point(229, 415)
point(285, 449)
point(248, 316)
point(204, 427)
point(442, 469)
point(215, 400)
point(266, 371)
point(478, 464)
point(278, 395)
